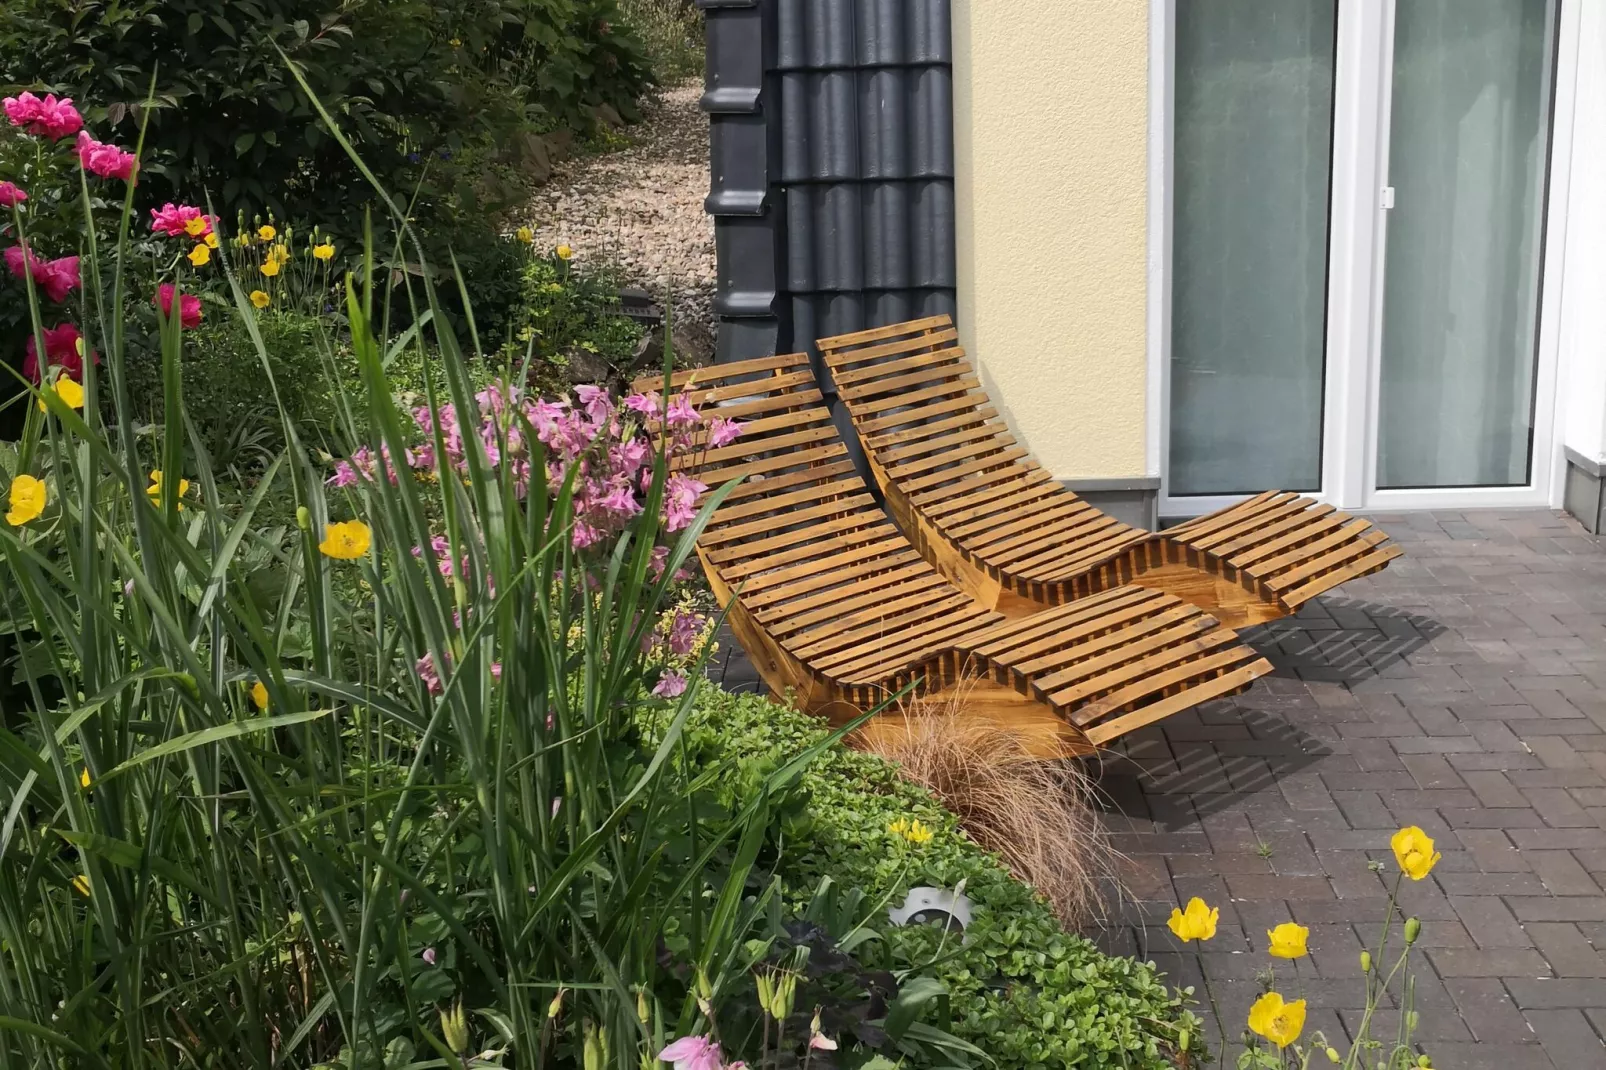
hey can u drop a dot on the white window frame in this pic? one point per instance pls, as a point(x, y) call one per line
point(1355, 273)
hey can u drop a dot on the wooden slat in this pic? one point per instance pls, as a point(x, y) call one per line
point(842, 341)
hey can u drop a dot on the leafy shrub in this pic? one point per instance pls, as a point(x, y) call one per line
point(425, 89)
point(227, 391)
point(568, 319)
point(1021, 988)
point(671, 32)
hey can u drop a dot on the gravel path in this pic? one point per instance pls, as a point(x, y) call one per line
point(642, 207)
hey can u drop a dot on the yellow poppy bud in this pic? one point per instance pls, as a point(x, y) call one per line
point(83, 778)
point(564, 252)
point(81, 883)
point(525, 235)
point(259, 695)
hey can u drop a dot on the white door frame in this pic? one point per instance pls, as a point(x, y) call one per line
point(1358, 235)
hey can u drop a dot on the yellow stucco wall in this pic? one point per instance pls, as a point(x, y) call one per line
point(1050, 132)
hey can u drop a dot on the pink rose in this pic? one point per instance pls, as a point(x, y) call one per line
point(174, 220)
point(107, 161)
point(61, 351)
point(11, 195)
point(57, 278)
point(189, 306)
point(49, 117)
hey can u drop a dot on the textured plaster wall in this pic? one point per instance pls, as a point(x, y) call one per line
point(1050, 142)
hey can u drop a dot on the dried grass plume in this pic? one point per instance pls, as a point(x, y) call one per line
point(1036, 815)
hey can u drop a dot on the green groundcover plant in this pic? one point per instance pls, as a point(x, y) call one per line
point(1019, 987)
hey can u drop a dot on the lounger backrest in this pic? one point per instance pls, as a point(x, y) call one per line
point(913, 391)
point(800, 498)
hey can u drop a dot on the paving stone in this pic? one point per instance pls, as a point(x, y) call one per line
point(1463, 690)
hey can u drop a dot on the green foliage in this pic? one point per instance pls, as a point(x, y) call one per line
point(228, 392)
point(568, 319)
point(672, 33)
point(1020, 987)
point(425, 88)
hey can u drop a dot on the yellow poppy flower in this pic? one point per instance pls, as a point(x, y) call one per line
point(1413, 850)
point(200, 255)
point(346, 540)
point(270, 267)
point(83, 778)
point(28, 497)
point(68, 390)
point(260, 299)
point(324, 250)
point(259, 695)
point(155, 489)
point(195, 227)
point(81, 883)
point(1197, 922)
point(211, 239)
point(266, 232)
point(1277, 1021)
point(1288, 941)
point(564, 252)
point(525, 235)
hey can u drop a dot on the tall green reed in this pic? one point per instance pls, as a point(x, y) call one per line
point(333, 869)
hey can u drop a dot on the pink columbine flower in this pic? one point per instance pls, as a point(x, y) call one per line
point(684, 629)
point(680, 501)
point(681, 412)
point(425, 667)
point(11, 195)
point(821, 1042)
point(646, 404)
point(189, 306)
point(49, 117)
point(722, 432)
point(107, 161)
point(670, 685)
point(595, 401)
point(693, 1053)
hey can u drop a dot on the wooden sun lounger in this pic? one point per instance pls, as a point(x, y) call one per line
point(836, 608)
point(999, 526)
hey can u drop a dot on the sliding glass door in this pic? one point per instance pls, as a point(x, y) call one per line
point(1253, 154)
point(1469, 135)
point(1356, 316)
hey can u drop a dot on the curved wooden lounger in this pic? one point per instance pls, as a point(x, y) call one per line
point(836, 609)
point(998, 525)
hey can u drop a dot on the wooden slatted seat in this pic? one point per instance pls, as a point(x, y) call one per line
point(993, 521)
point(836, 608)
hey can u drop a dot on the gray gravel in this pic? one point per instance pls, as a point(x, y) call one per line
point(642, 207)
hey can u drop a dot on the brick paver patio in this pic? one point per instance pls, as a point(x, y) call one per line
point(1462, 690)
